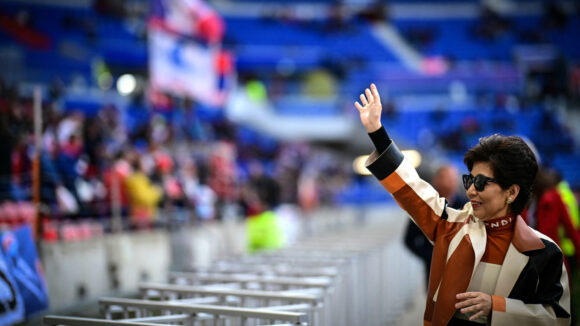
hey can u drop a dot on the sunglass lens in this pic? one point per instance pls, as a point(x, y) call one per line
point(467, 180)
point(479, 182)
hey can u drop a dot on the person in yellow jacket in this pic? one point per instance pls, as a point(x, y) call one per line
point(144, 197)
point(569, 199)
point(263, 227)
point(264, 232)
point(568, 249)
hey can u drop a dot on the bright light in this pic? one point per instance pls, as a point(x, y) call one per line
point(358, 165)
point(413, 156)
point(126, 84)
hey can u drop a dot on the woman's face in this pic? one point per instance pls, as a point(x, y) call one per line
point(491, 201)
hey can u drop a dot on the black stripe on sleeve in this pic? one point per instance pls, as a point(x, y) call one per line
point(380, 139)
point(387, 162)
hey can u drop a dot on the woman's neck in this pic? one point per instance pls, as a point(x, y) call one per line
point(500, 222)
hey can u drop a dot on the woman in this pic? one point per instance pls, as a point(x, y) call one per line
point(488, 266)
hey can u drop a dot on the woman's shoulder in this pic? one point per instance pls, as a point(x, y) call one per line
point(527, 239)
point(550, 245)
point(548, 260)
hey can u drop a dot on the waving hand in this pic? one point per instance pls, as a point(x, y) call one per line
point(371, 109)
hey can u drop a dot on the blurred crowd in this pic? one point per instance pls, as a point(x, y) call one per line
point(173, 166)
point(167, 160)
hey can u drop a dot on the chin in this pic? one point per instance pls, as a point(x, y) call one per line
point(480, 217)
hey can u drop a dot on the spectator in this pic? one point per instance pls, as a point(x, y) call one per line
point(263, 228)
point(144, 196)
point(198, 194)
point(549, 214)
point(266, 187)
point(222, 178)
point(264, 232)
point(568, 246)
point(115, 178)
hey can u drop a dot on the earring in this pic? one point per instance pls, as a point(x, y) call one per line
point(508, 200)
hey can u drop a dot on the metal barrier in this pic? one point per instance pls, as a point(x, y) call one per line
point(147, 308)
point(78, 321)
point(357, 277)
point(246, 278)
point(156, 321)
point(246, 298)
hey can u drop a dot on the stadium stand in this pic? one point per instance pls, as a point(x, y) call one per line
point(114, 165)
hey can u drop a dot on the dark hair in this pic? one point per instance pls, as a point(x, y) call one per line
point(512, 162)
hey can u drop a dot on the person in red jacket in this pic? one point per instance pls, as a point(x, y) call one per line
point(547, 212)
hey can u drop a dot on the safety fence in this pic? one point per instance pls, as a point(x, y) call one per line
point(357, 277)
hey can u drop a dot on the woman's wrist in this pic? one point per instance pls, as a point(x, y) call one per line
point(373, 128)
point(380, 139)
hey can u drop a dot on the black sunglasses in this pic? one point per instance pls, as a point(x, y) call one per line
point(478, 181)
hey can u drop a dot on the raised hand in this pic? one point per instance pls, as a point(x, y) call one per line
point(371, 109)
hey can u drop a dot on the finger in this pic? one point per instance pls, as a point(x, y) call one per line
point(477, 315)
point(472, 308)
point(363, 99)
point(466, 295)
point(375, 92)
point(358, 106)
point(465, 303)
point(369, 94)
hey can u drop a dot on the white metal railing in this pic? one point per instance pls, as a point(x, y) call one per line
point(356, 277)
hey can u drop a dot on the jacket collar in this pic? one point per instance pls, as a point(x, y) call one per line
point(525, 239)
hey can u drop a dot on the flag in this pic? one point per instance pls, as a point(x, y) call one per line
point(181, 66)
point(185, 56)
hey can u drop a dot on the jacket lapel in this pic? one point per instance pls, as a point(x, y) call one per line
point(524, 239)
point(513, 264)
point(455, 280)
point(464, 253)
point(478, 236)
